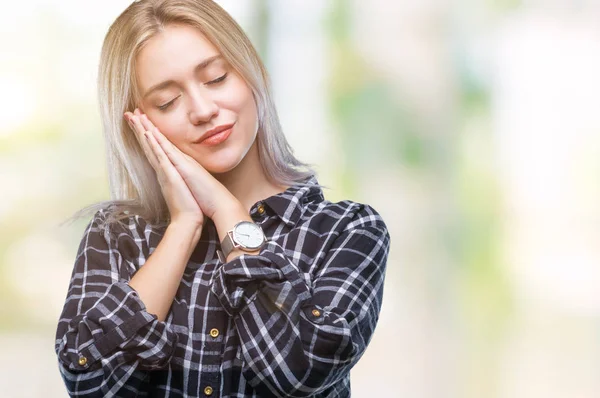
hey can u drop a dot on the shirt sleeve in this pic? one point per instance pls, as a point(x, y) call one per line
point(106, 340)
point(300, 337)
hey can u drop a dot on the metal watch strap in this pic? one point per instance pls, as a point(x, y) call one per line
point(226, 247)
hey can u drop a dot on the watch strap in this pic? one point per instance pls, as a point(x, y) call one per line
point(226, 247)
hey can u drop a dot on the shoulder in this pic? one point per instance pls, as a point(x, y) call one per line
point(113, 220)
point(348, 215)
point(130, 234)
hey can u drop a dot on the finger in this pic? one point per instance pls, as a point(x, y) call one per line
point(148, 125)
point(146, 122)
point(173, 153)
point(140, 122)
point(164, 162)
point(165, 142)
point(138, 129)
point(137, 126)
point(150, 128)
point(162, 157)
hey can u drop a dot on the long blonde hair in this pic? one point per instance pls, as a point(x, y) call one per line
point(133, 185)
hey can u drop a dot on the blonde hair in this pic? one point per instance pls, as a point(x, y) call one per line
point(133, 185)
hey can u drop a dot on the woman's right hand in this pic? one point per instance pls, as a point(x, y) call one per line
point(182, 205)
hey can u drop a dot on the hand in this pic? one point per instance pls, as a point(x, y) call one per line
point(208, 192)
point(180, 201)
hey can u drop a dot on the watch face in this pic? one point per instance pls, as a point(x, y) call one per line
point(249, 235)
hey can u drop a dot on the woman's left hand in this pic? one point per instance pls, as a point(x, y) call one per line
point(207, 190)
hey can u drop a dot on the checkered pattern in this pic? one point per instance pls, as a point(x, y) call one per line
point(290, 321)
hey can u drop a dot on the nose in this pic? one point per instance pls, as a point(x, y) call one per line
point(202, 106)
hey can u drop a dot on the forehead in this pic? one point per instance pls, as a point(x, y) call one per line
point(172, 53)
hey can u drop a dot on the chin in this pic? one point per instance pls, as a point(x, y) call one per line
point(222, 161)
point(221, 165)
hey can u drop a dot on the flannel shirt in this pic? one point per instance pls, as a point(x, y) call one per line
point(290, 321)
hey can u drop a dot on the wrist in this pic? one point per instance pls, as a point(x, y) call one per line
point(186, 228)
point(229, 206)
point(227, 216)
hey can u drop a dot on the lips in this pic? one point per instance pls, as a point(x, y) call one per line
point(214, 131)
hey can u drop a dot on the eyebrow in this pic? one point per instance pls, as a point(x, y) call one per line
point(171, 82)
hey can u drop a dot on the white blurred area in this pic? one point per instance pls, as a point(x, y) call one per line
point(540, 63)
point(547, 125)
point(547, 129)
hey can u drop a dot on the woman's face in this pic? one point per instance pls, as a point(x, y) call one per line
point(190, 92)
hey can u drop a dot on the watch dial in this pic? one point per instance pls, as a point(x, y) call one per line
point(249, 235)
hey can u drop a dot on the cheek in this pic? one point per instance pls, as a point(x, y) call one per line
point(171, 124)
point(246, 107)
point(239, 99)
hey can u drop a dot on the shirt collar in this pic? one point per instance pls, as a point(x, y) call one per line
point(289, 205)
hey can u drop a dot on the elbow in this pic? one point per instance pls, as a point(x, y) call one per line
point(308, 372)
point(80, 379)
point(314, 381)
point(326, 358)
point(83, 384)
point(70, 357)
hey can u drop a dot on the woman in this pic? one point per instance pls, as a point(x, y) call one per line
point(218, 269)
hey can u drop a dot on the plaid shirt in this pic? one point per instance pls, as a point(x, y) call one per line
point(290, 321)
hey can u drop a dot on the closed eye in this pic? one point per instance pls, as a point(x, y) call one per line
point(168, 104)
point(165, 106)
point(217, 80)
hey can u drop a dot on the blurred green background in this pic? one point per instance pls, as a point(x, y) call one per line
point(471, 126)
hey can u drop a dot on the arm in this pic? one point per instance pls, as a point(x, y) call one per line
point(157, 281)
point(106, 338)
point(298, 340)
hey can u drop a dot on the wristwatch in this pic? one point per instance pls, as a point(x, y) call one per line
point(245, 235)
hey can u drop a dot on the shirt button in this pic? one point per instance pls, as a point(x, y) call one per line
point(208, 390)
point(316, 312)
point(261, 209)
point(214, 332)
point(82, 361)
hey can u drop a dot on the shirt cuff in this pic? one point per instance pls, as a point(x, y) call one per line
point(117, 321)
point(237, 282)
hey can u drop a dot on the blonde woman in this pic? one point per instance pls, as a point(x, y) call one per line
point(217, 268)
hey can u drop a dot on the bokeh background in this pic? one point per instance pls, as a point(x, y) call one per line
point(471, 126)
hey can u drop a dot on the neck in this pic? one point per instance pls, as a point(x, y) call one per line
point(248, 181)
